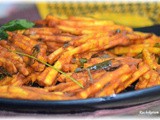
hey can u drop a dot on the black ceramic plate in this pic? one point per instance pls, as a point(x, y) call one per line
point(121, 100)
point(125, 99)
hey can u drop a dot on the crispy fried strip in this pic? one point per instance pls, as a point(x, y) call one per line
point(55, 55)
point(52, 38)
point(99, 43)
point(15, 60)
point(66, 87)
point(31, 93)
point(99, 84)
point(65, 43)
point(42, 31)
point(149, 59)
point(141, 70)
point(16, 80)
point(110, 88)
point(76, 23)
point(8, 65)
point(153, 81)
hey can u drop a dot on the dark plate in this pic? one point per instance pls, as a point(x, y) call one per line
point(121, 100)
point(126, 99)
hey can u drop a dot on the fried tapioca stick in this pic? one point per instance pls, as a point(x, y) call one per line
point(8, 65)
point(49, 74)
point(139, 37)
point(78, 18)
point(69, 67)
point(82, 40)
point(16, 80)
point(55, 55)
point(5, 81)
point(141, 84)
point(95, 23)
point(149, 79)
point(152, 40)
point(91, 29)
point(41, 23)
point(114, 41)
point(141, 70)
point(137, 48)
point(98, 44)
point(87, 38)
point(39, 51)
point(149, 59)
point(30, 47)
point(52, 21)
point(153, 81)
point(42, 31)
point(101, 43)
point(31, 93)
point(95, 75)
point(99, 84)
point(67, 87)
point(53, 45)
point(61, 78)
point(143, 80)
point(110, 88)
point(52, 38)
point(23, 42)
point(128, 60)
point(16, 60)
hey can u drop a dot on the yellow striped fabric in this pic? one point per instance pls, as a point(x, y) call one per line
point(131, 14)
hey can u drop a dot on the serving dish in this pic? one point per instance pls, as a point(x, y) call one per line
point(124, 99)
point(121, 100)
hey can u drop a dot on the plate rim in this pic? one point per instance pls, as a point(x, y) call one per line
point(94, 103)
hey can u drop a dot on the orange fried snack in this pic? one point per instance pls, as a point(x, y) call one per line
point(99, 84)
point(76, 58)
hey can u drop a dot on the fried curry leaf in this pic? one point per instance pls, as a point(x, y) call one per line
point(36, 50)
point(157, 45)
point(158, 60)
point(83, 60)
point(2, 76)
point(5, 72)
point(102, 65)
point(14, 25)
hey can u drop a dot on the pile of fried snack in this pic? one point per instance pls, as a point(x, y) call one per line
point(102, 57)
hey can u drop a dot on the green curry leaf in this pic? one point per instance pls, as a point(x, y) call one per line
point(14, 25)
point(3, 35)
point(17, 25)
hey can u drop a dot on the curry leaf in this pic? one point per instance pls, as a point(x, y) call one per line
point(83, 60)
point(102, 65)
point(14, 25)
point(158, 60)
point(2, 76)
point(3, 35)
point(157, 45)
point(17, 25)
